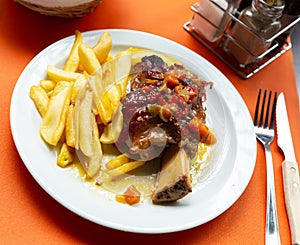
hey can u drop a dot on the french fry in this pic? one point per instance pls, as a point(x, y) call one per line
point(106, 95)
point(109, 104)
point(87, 91)
point(125, 168)
point(40, 99)
point(113, 83)
point(122, 70)
point(53, 123)
point(88, 58)
point(95, 83)
point(103, 47)
point(109, 58)
point(76, 123)
point(47, 85)
point(95, 160)
point(79, 84)
point(108, 74)
point(57, 75)
point(117, 161)
point(70, 127)
point(86, 142)
point(65, 156)
point(72, 62)
point(112, 130)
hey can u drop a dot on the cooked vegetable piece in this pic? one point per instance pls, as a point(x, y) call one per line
point(53, 123)
point(131, 196)
point(72, 62)
point(40, 99)
point(206, 135)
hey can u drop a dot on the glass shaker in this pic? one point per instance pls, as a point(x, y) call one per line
point(253, 36)
point(215, 12)
point(290, 13)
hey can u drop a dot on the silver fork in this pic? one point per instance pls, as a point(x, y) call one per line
point(264, 130)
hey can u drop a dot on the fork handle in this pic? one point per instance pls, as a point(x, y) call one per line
point(272, 230)
point(291, 181)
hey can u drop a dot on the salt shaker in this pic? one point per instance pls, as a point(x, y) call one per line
point(261, 19)
point(215, 12)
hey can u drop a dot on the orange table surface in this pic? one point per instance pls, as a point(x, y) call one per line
point(28, 215)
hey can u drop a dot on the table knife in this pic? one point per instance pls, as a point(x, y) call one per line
point(290, 172)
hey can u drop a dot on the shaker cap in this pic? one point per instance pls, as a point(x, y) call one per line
point(270, 8)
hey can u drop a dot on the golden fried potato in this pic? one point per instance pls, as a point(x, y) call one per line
point(65, 156)
point(47, 85)
point(103, 47)
point(117, 161)
point(94, 164)
point(88, 58)
point(86, 117)
point(72, 62)
point(79, 85)
point(95, 83)
point(109, 85)
point(57, 75)
point(40, 99)
point(125, 168)
point(111, 131)
point(53, 123)
point(70, 127)
point(109, 104)
point(122, 62)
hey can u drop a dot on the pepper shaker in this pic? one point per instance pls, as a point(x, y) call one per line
point(261, 21)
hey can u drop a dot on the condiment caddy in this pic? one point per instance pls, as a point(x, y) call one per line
point(220, 26)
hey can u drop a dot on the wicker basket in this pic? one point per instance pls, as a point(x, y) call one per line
point(65, 9)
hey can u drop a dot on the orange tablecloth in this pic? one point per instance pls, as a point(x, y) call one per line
point(28, 215)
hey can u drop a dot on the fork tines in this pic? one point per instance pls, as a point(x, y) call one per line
point(264, 122)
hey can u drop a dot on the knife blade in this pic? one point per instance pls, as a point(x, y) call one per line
point(290, 172)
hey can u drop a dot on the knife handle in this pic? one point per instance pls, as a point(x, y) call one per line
point(291, 181)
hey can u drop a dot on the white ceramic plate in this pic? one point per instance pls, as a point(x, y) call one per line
point(227, 174)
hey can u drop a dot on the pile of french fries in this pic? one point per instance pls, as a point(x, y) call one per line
point(82, 97)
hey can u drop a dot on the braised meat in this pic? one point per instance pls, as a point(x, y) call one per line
point(163, 107)
point(164, 117)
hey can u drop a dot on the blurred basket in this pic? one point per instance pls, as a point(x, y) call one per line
point(61, 8)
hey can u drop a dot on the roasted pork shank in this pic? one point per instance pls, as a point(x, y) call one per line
point(164, 110)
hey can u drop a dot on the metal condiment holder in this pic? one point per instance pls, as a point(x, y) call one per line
point(274, 51)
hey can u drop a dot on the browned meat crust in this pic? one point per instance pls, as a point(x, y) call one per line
point(173, 181)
